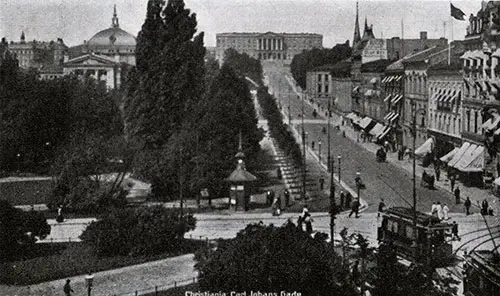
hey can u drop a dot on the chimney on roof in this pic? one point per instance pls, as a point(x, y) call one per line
point(423, 35)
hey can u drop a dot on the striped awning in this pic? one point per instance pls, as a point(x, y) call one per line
point(459, 154)
point(394, 117)
point(365, 122)
point(444, 94)
point(465, 157)
point(425, 148)
point(389, 115)
point(377, 129)
point(449, 155)
point(355, 89)
point(451, 99)
point(384, 133)
point(387, 98)
point(473, 161)
point(396, 99)
point(491, 123)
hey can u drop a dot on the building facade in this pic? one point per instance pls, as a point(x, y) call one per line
point(396, 48)
point(445, 87)
point(393, 92)
point(105, 57)
point(267, 46)
point(36, 54)
point(481, 100)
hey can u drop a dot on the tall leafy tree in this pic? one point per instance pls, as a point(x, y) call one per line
point(169, 77)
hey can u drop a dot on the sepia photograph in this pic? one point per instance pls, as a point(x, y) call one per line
point(249, 147)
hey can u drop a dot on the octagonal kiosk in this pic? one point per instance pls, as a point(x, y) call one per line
point(240, 182)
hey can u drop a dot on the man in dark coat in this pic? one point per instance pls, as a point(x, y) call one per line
point(342, 199)
point(354, 209)
point(457, 195)
point(452, 182)
point(67, 288)
point(467, 205)
point(348, 200)
point(484, 207)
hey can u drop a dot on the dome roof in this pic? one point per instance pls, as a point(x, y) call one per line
point(112, 37)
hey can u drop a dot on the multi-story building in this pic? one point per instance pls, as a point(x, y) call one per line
point(393, 92)
point(35, 54)
point(104, 57)
point(267, 46)
point(319, 84)
point(481, 100)
point(445, 88)
point(395, 48)
point(416, 93)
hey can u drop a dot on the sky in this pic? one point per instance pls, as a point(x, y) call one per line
point(77, 20)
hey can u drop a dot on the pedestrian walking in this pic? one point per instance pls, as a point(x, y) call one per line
point(59, 217)
point(454, 231)
point(321, 183)
point(490, 210)
point(348, 200)
point(457, 195)
point(467, 205)
point(287, 198)
point(440, 213)
point(312, 145)
point(452, 182)
point(308, 221)
point(342, 198)
point(484, 207)
point(437, 170)
point(446, 210)
point(67, 288)
point(300, 221)
point(434, 209)
point(381, 207)
point(354, 208)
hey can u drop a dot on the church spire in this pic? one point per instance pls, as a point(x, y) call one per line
point(357, 35)
point(114, 21)
point(23, 38)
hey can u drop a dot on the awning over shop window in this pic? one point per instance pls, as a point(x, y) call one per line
point(453, 97)
point(387, 98)
point(351, 115)
point(365, 122)
point(355, 89)
point(459, 154)
point(449, 155)
point(393, 118)
point(385, 79)
point(442, 97)
point(396, 99)
point(390, 114)
point(466, 157)
point(384, 133)
point(492, 123)
point(426, 147)
point(377, 129)
point(475, 161)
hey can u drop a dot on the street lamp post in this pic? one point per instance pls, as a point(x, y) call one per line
point(319, 150)
point(332, 206)
point(339, 158)
point(414, 134)
point(358, 184)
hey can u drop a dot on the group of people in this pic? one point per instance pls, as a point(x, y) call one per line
point(440, 211)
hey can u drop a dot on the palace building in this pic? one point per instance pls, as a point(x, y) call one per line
point(267, 46)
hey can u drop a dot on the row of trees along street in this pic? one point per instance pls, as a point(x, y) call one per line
point(185, 115)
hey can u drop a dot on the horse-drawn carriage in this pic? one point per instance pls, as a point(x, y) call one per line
point(381, 155)
point(427, 180)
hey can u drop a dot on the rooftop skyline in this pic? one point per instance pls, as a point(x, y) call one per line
point(78, 20)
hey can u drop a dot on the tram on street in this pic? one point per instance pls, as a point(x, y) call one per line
point(431, 247)
point(482, 273)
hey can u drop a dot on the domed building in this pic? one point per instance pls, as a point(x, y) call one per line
point(113, 41)
point(105, 56)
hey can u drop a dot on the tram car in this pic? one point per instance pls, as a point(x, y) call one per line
point(431, 247)
point(482, 273)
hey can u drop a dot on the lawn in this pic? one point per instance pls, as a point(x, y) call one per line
point(61, 260)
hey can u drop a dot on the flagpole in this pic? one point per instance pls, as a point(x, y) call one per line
point(449, 43)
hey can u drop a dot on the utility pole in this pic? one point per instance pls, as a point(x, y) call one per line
point(328, 135)
point(181, 183)
point(414, 133)
point(333, 208)
point(303, 152)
